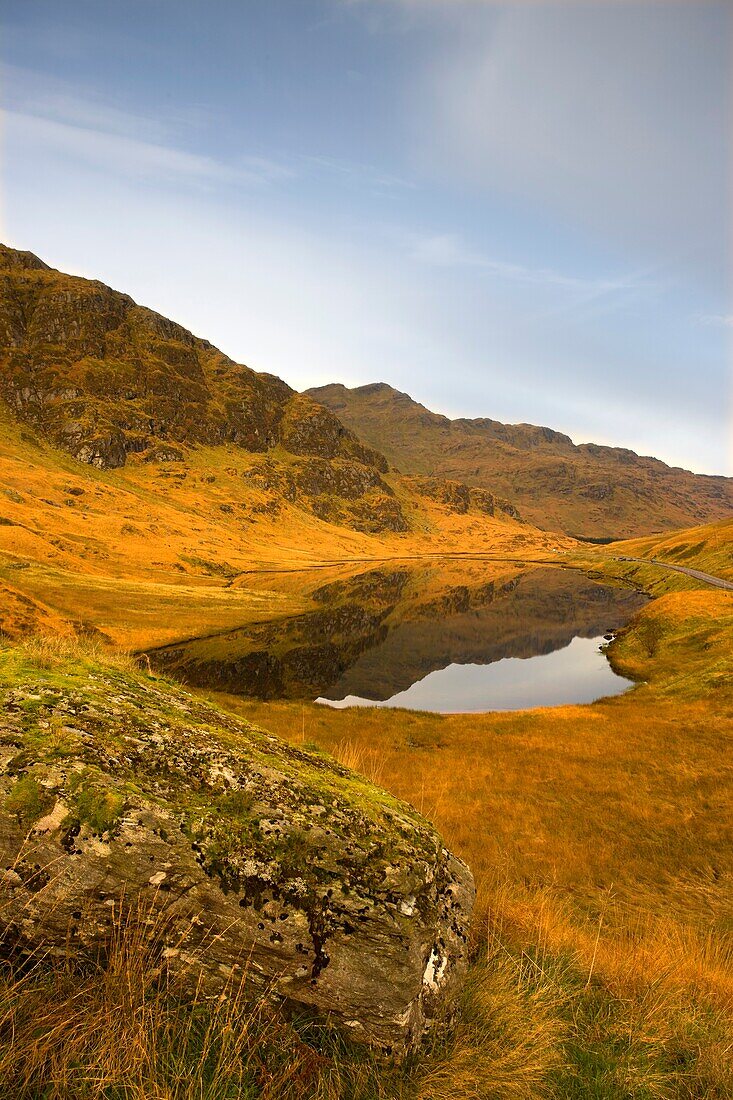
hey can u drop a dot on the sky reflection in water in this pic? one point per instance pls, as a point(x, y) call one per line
point(579, 673)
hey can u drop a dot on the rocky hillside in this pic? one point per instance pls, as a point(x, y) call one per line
point(113, 383)
point(118, 792)
point(584, 490)
point(108, 380)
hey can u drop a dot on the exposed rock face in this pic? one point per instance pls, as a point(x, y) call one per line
point(106, 379)
point(459, 498)
point(333, 894)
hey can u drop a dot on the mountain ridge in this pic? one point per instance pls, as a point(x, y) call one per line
point(107, 378)
point(586, 490)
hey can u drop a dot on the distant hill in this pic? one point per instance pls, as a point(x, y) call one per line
point(585, 490)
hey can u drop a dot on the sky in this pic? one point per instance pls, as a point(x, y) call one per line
point(519, 210)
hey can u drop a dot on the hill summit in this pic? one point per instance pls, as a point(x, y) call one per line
point(104, 377)
point(585, 490)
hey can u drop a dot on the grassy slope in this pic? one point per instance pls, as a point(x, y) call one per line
point(602, 843)
point(601, 839)
point(584, 490)
point(708, 548)
point(155, 552)
point(599, 835)
point(76, 1027)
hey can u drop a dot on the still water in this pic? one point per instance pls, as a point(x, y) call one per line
point(450, 637)
point(579, 673)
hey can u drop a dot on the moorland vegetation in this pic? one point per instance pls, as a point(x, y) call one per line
point(151, 491)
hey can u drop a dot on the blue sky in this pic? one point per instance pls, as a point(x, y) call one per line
point(516, 210)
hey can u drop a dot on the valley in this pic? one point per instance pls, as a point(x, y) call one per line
point(192, 554)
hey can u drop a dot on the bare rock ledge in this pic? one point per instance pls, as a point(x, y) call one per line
point(331, 893)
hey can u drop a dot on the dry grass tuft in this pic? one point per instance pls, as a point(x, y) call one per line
point(115, 1027)
point(50, 651)
point(508, 1042)
point(360, 758)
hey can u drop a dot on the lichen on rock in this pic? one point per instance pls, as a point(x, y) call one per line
point(267, 860)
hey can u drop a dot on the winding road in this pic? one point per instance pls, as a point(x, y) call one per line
point(708, 578)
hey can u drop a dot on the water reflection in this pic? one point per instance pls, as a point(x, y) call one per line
point(579, 673)
point(439, 637)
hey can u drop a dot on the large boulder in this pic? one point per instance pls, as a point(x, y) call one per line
point(117, 789)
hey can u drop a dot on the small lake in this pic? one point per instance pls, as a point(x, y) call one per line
point(579, 673)
point(444, 637)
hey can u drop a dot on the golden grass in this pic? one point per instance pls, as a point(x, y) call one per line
point(93, 1029)
point(601, 841)
point(600, 836)
point(708, 548)
point(113, 1027)
point(151, 553)
point(508, 1040)
point(58, 651)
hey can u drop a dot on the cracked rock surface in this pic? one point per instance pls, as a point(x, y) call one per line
point(331, 894)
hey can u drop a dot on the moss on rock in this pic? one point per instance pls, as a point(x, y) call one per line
point(332, 893)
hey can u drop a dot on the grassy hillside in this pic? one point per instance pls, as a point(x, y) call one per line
point(708, 548)
point(586, 491)
point(601, 842)
point(153, 552)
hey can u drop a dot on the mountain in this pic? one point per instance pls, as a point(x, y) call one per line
point(586, 490)
point(142, 472)
point(107, 380)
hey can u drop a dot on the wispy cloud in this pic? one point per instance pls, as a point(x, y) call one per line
point(365, 173)
point(448, 250)
point(47, 112)
point(716, 319)
point(130, 156)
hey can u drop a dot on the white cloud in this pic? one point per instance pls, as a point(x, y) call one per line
point(363, 173)
point(447, 250)
point(47, 112)
point(130, 156)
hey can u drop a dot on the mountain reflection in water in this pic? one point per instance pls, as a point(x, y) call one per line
point(527, 638)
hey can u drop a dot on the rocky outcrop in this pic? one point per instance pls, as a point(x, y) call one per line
point(266, 860)
point(459, 498)
point(309, 429)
